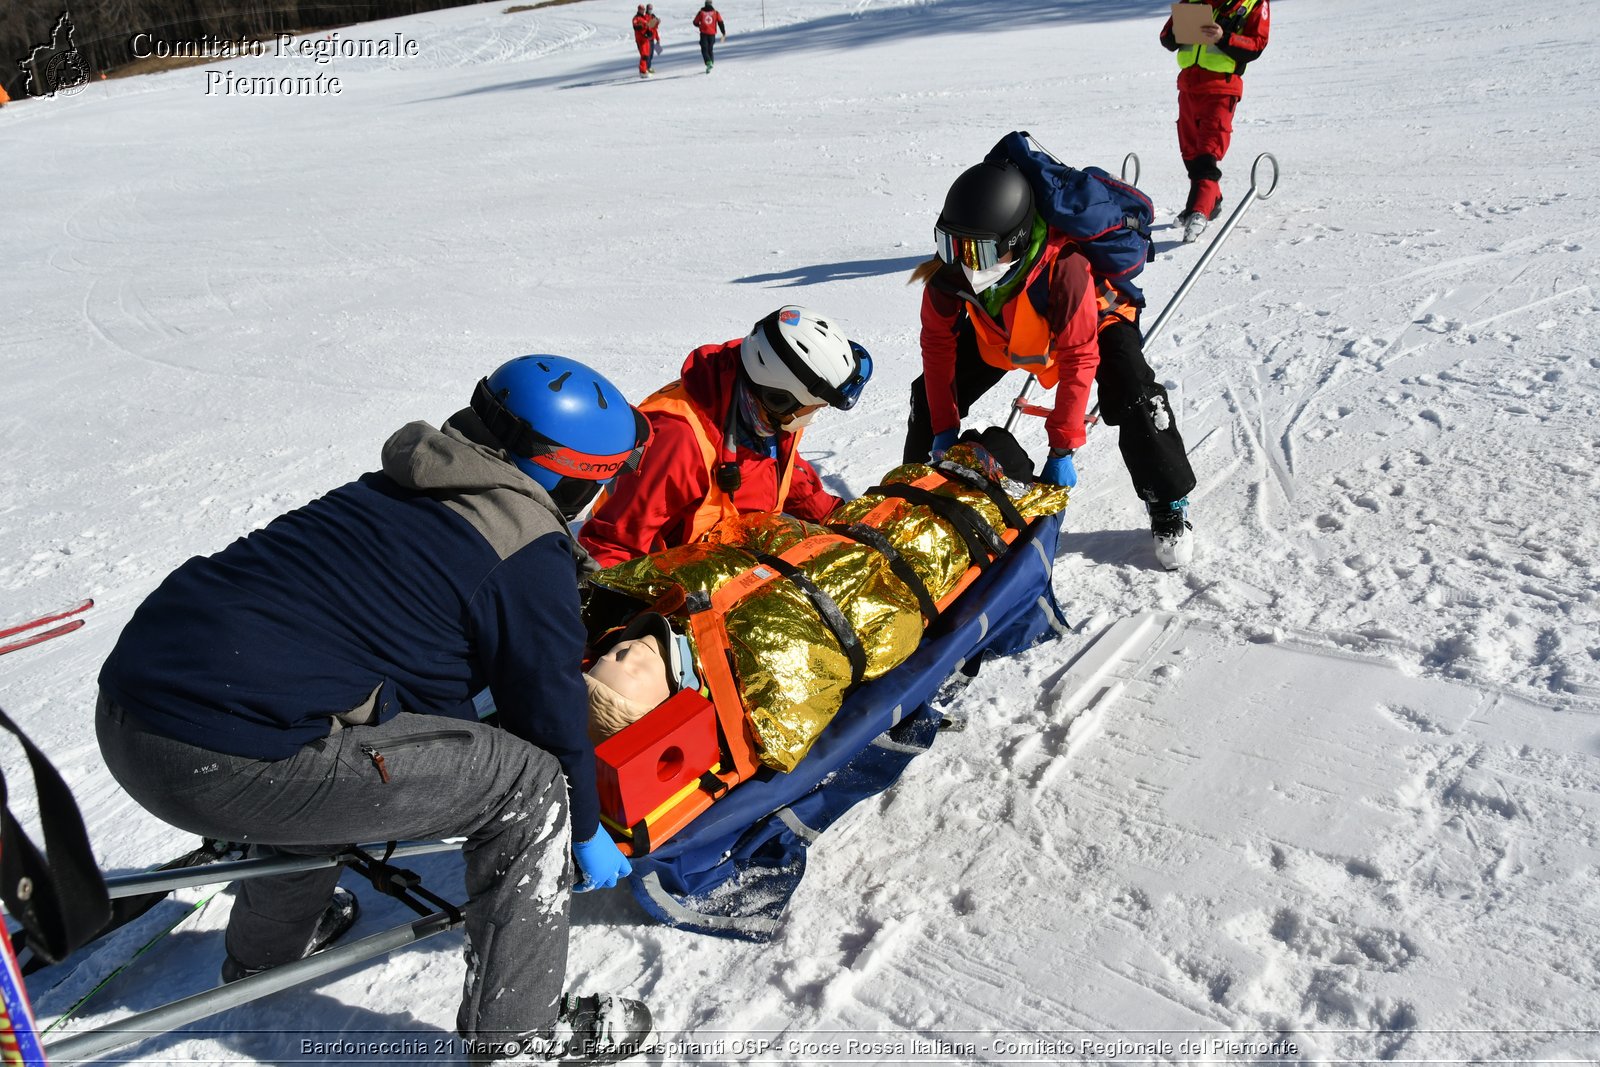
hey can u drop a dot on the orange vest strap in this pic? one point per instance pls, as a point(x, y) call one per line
point(673, 399)
point(711, 641)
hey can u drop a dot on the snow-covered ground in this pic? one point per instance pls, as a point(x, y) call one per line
point(1340, 793)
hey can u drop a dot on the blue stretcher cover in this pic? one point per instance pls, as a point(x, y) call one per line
point(731, 872)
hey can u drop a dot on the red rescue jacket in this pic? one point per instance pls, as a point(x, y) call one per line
point(708, 23)
point(665, 502)
point(1056, 311)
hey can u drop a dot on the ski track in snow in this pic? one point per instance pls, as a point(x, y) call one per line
point(1350, 804)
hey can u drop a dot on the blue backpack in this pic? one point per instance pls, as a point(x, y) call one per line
point(1109, 220)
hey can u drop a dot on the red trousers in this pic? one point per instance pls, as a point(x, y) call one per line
point(1205, 127)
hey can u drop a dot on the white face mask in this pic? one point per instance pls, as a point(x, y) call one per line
point(984, 279)
point(800, 421)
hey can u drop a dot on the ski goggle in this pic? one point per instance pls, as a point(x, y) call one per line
point(979, 253)
point(572, 495)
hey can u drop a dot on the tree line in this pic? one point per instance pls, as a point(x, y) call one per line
point(104, 30)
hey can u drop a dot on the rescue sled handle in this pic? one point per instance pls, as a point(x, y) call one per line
point(133, 885)
point(1251, 196)
point(157, 1021)
point(1020, 405)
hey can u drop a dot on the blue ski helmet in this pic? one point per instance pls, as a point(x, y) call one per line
point(564, 424)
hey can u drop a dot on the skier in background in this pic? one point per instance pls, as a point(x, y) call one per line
point(312, 684)
point(1006, 291)
point(725, 437)
point(1210, 85)
point(655, 36)
point(708, 22)
point(642, 40)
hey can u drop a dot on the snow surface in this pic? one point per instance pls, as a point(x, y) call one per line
point(1340, 792)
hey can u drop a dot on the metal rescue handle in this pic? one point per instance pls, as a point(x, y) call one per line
point(1251, 196)
point(92, 1044)
point(1020, 405)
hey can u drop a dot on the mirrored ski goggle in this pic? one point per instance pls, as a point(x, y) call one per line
point(979, 253)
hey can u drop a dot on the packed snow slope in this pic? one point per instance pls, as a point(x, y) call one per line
point(1344, 799)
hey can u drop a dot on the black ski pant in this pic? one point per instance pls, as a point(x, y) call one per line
point(440, 777)
point(708, 42)
point(1130, 399)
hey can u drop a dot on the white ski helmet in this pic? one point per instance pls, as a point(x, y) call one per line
point(796, 358)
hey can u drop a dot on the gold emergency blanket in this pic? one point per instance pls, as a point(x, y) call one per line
point(789, 667)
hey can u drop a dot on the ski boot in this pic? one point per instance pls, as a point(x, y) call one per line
point(708, 68)
point(593, 1029)
point(336, 920)
point(1174, 536)
point(1194, 222)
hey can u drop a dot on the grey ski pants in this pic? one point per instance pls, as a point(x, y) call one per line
point(438, 777)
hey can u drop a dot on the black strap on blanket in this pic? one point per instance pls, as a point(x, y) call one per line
point(832, 617)
point(1008, 510)
point(898, 566)
point(983, 544)
point(59, 896)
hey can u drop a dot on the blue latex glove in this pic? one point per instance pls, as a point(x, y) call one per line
point(1058, 470)
point(942, 441)
point(601, 862)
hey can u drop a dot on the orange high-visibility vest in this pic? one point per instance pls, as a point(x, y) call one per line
point(1031, 346)
point(673, 399)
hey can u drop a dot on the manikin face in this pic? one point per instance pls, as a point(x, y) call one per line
point(635, 670)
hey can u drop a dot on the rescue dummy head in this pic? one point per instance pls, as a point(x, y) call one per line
point(642, 665)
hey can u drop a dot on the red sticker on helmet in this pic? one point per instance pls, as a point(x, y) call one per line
point(789, 317)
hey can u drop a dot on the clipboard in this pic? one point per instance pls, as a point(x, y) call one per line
point(1187, 20)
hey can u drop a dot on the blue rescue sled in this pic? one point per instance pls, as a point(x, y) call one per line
point(732, 871)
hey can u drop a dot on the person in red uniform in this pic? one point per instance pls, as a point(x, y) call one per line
point(642, 39)
point(1210, 85)
point(709, 23)
point(726, 437)
point(1006, 291)
point(655, 36)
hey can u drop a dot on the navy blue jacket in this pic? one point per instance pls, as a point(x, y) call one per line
point(406, 590)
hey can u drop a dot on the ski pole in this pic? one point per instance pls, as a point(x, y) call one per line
point(95, 1043)
point(1020, 405)
point(132, 885)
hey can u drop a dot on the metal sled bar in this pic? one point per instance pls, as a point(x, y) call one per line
point(133, 885)
point(1251, 195)
point(95, 1043)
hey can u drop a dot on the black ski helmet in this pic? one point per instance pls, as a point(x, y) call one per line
point(990, 200)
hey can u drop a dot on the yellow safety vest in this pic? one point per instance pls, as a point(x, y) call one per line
point(673, 399)
point(1210, 57)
